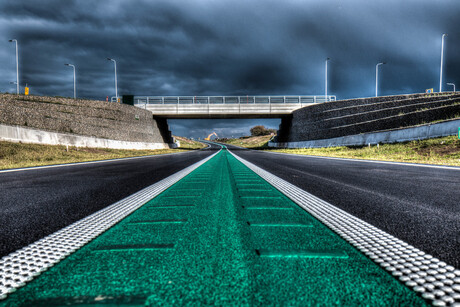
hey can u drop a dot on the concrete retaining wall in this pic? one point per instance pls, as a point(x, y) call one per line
point(391, 136)
point(351, 117)
point(28, 135)
point(91, 118)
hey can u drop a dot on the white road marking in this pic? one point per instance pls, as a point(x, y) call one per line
point(455, 168)
point(89, 162)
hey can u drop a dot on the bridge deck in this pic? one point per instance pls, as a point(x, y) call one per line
point(226, 106)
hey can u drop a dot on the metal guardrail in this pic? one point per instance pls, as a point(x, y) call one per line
point(142, 100)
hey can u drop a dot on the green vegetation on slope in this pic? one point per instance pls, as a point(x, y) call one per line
point(248, 141)
point(444, 150)
point(17, 155)
point(186, 143)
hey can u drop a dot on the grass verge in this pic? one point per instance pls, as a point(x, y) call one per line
point(186, 143)
point(248, 141)
point(444, 151)
point(18, 155)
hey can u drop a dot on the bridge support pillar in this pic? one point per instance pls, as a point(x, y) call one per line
point(162, 124)
point(284, 129)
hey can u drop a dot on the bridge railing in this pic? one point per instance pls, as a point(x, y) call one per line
point(152, 100)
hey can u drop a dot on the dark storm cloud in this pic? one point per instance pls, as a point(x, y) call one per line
point(207, 47)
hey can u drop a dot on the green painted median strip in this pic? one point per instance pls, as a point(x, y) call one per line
point(220, 236)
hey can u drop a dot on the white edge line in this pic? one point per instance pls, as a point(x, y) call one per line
point(93, 162)
point(405, 262)
point(456, 168)
point(25, 264)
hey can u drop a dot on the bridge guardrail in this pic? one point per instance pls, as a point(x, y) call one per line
point(142, 100)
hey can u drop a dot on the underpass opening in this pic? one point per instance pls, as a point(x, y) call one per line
point(223, 127)
point(229, 116)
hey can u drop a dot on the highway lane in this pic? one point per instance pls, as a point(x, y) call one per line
point(227, 244)
point(38, 202)
point(416, 204)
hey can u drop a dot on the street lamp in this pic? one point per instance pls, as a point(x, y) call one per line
point(74, 83)
point(452, 85)
point(377, 77)
point(442, 58)
point(116, 89)
point(326, 78)
point(17, 65)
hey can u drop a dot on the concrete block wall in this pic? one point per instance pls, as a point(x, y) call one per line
point(340, 104)
point(393, 122)
point(98, 119)
point(444, 128)
point(364, 116)
point(368, 115)
point(362, 108)
point(383, 113)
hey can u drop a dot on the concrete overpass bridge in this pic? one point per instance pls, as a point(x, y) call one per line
point(175, 107)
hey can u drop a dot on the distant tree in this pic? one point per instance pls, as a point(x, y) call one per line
point(261, 130)
point(257, 130)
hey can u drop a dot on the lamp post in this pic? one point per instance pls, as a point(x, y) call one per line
point(74, 82)
point(116, 89)
point(326, 80)
point(377, 77)
point(17, 65)
point(452, 85)
point(442, 58)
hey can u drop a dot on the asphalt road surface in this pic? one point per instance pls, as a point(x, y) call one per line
point(419, 205)
point(35, 203)
point(416, 204)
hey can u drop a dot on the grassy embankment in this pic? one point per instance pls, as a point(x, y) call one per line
point(17, 155)
point(444, 151)
point(258, 142)
point(189, 144)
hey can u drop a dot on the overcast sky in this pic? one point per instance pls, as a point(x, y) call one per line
point(219, 47)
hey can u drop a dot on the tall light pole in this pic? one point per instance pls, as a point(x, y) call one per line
point(326, 79)
point(116, 88)
point(377, 77)
point(74, 83)
point(17, 65)
point(442, 58)
point(452, 85)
